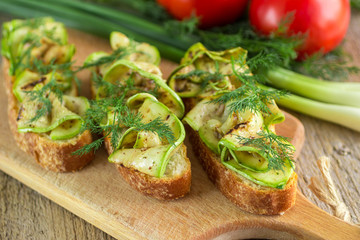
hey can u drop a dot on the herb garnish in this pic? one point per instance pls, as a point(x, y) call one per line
point(276, 149)
point(123, 117)
point(333, 66)
point(115, 55)
point(41, 97)
point(249, 96)
point(215, 80)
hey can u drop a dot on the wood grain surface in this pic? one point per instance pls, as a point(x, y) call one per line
point(25, 214)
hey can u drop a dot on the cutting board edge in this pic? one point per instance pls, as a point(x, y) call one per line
point(69, 202)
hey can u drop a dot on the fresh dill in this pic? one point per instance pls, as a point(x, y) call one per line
point(32, 23)
point(249, 96)
point(23, 60)
point(40, 67)
point(108, 89)
point(276, 149)
point(333, 66)
point(263, 61)
point(185, 29)
point(213, 80)
point(115, 55)
point(42, 97)
point(242, 34)
point(123, 116)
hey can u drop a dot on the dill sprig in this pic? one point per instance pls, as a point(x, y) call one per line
point(276, 149)
point(123, 116)
point(194, 73)
point(242, 34)
point(23, 60)
point(115, 55)
point(333, 66)
point(249, 96)
point(213, 80)
point(41, 97)
point(120, 89)
point(40, 67)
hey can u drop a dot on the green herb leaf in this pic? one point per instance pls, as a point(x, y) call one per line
point(276, 149)
point(123, 116)
point(249, 96)
point(41, 97)
point(333, 66)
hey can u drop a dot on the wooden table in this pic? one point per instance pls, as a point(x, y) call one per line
point(25, 214)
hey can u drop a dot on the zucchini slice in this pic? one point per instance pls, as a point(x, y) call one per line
point(204, 73)
point(222, 130)
point(64, 121)
point(146, 77)
point(139, 52)
point(145, 151)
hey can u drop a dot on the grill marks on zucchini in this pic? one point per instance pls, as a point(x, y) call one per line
point(40, 62)
point(26, 41)
point(141, 120)
point(145, 150)
point(236, 122)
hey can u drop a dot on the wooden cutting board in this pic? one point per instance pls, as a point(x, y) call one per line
point(99, 195)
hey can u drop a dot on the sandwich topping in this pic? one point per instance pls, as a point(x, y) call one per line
point(134, 107)
point(233, 115)
point(43, 80)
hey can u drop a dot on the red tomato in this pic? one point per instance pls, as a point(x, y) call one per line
point(211, 12)
point(324, 22)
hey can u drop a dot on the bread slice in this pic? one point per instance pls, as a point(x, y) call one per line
point(53, 155)
point(174, 184)
point(246, 194)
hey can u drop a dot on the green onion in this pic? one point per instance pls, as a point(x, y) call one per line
point(330, 92)
point(83, 21)
point(343, 115)
point(129, 21)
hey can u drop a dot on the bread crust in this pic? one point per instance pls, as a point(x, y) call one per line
point(244, 193)
point(165, 188)
point(53, 155)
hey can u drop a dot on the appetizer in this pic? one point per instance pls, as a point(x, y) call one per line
point(138, 116)
point(232, 121)
point(45, 113)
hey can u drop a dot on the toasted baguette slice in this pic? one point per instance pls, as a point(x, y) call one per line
point(246, 194)
point(53, 155)
point(174, 184)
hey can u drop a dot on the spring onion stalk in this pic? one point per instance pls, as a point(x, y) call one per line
point(129, 21)
point(346, 116)
point(330, 92)
point(349, 86)
point(343, 115)
point(83, 21)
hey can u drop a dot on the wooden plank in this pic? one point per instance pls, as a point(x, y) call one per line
point(342, 145)
point(100, 196)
